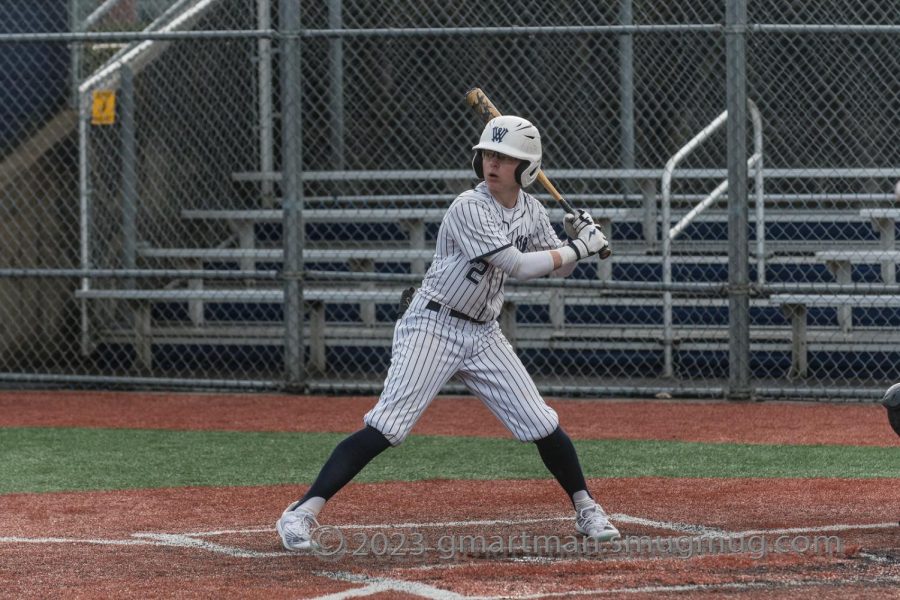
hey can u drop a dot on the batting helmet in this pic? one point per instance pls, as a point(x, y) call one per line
point(512, 136)
point(891, 402)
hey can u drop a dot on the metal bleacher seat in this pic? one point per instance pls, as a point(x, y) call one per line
point(840, 262)
point(846, 338)
point(885, 221)
point(557, 329)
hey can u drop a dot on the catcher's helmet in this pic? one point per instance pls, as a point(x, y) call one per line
point(891, 402)
point(512, 136)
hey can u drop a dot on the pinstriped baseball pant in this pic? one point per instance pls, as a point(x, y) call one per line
point(431, 347)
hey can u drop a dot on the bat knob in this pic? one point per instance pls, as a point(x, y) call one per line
point(605, 253)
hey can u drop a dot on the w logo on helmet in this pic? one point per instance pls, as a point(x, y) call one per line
point(498, 134)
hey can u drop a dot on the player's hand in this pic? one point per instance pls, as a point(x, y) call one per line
point(573, 224)
point(589, 242)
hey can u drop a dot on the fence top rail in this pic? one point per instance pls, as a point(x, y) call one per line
point(384, 255)
point(448, 197)
point(349, 295)
point(366, 214)
point(466, 174)
point(836, 300)
point(383, 296)
point(310, 254)
point(448, 32)
point(880, 213)
point(136, 36)
point(826, 294)
point(387, 215)
point(600, 29)
point(858, 255)
point(412, 254)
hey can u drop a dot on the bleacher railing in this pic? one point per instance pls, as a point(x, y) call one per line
point(754, 163)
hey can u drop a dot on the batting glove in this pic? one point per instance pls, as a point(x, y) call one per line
point(573, 224)
point(589, 242)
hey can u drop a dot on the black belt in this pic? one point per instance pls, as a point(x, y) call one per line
point(435, 306)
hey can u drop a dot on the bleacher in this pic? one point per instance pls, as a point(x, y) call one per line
point(623, 326)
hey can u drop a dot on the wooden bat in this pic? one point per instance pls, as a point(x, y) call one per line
point(482, 105)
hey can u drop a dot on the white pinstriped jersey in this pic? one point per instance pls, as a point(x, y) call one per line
point(475, 227)
point(431, 345)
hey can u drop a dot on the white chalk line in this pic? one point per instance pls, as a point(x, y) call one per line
point(701, 530)
point(422, 525)
point(376, 585)
point(669, 525)
point(149, 539)
point(876, 558)
point(617, 518)
point(815, 529)
point(59, 540)
point(184, 541)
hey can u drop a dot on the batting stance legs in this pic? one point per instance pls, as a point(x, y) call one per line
point(429, 348)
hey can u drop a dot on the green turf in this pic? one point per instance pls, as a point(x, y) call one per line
point(40, 460)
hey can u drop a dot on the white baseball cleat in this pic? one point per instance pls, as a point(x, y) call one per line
point(294, 527)
point(593, 522)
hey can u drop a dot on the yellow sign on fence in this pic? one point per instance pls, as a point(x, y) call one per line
point(103, 109)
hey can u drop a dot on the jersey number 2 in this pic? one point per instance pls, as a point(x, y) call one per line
point(477, 272)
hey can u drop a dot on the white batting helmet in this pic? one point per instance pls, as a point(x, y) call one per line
point(512, 136)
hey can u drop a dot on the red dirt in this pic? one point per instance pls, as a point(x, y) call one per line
point(762, 423)
point(867, 565)
point(94, 571)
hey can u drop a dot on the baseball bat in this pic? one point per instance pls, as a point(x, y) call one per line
point(482, 105)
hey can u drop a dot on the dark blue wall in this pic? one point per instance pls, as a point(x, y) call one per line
point(33, 76)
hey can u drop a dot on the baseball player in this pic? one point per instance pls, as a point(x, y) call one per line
point(488, 234)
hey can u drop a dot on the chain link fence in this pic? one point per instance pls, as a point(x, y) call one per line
point(143, 208)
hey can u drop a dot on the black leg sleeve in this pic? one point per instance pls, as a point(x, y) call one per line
point(558, 454)
point(346, 460)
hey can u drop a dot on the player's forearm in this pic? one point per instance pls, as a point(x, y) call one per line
point(563, 271)
point(565, 268)
point(530, 265)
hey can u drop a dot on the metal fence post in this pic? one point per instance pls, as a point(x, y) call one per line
point(75, 26)
point(291, 167)
point(129, 173)
point(626, 91)
point(738, 268)
point(336, 67)
point(266, 127)
point(84, 212)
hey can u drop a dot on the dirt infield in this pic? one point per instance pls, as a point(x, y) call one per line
point(764, 423)
point(203, 542)
point(697, 538)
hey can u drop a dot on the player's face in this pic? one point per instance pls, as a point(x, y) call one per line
point(499, 172)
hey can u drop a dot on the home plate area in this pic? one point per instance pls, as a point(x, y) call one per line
point(538, 557)
point(453, 539)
